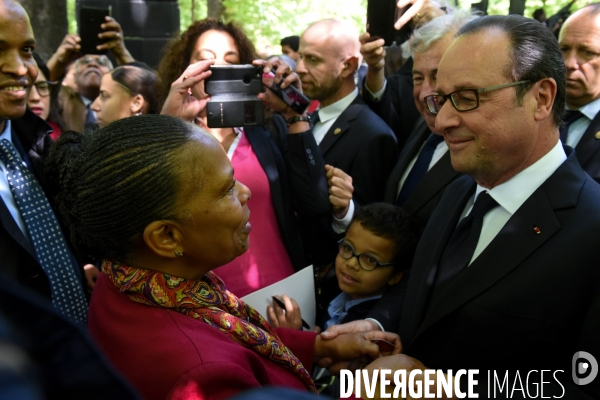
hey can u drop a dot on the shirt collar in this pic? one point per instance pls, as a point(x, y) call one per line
point(590, 109)
point(86, 101)
point(6, 133)
point(511, 194)
point(343, 302)
point(334, 110)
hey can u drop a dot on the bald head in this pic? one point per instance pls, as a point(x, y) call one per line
point(579, 41)
point(329, 57)
point(340, 36)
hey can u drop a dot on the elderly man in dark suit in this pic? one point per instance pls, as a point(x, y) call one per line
point(351, 137)
point(506, 276)
point(579, 41)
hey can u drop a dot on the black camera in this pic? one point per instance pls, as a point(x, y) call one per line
point(233, 101)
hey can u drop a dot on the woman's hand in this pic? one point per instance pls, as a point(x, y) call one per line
point(113, 34)
point(181, 102)
point(288, 318)
point(353, 346)
point(283, 74)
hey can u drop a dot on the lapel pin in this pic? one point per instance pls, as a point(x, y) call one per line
point(338, 130)
point(597, 135)
point(537, 230)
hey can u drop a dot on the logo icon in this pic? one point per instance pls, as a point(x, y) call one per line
point(584, 367)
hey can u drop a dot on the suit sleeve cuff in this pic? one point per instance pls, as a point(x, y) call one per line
point(341, 225)
point(379, 94)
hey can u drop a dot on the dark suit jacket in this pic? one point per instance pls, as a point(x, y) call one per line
point(296, 175)
point(426, 195)
point(529, 301)
point(364, 147)
point(397, 105)
point(18, 259)
point(65, 363)
point(588, 149)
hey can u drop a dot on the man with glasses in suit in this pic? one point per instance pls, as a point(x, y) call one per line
point(506, 276)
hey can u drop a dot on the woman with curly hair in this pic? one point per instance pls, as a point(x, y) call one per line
point(280, 162)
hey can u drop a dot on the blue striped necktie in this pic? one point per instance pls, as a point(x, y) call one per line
point(46, 236)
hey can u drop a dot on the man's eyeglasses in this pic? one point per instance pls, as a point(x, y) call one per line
point(102, 61)
point(43, 88)
point(463, 99)
point(366, 261)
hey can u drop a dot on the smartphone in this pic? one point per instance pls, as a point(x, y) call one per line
point(90, 21)
point(381, 17)
point(290, 95)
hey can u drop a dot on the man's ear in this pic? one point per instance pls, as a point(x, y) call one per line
point(349, 66)
point(136, 104)
point(544, 96)
point(163, 238)
point(396, 278)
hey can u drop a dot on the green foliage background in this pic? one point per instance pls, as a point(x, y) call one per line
point(267, 21)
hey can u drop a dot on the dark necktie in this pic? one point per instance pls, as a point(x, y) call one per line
point(314, 117)
point(570, 117)
point(46, 236)
point(419, 169)
point(462, 244)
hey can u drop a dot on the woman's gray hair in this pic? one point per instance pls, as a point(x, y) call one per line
point(439, 27)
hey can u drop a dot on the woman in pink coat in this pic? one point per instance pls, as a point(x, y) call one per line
point(156, 198)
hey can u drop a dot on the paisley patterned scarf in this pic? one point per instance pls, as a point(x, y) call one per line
point(209, 301)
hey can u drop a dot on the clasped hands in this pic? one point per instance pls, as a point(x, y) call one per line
point(393, 361)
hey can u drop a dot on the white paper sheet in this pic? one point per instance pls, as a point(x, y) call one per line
point(300, 287)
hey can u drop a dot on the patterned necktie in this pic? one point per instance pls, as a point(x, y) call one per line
point(46, 236)
point(462, 244)
point(419, 169)
point(570, 117)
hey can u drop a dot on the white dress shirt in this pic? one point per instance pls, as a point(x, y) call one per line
point(328, 115)
point(5, 192)
point(511, 195)
point(578, 128)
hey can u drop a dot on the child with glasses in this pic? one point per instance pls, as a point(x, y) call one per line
point(376, 253)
